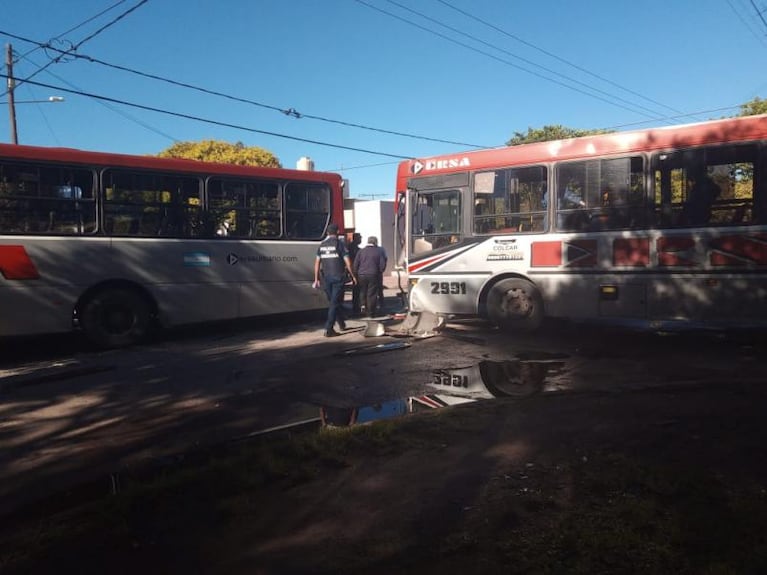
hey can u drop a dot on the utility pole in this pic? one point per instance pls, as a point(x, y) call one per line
point(11, 85)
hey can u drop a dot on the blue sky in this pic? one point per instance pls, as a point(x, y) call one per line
point(493, 67)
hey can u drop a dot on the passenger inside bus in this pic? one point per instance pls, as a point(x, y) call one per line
point(702, 195)
point(574, 216)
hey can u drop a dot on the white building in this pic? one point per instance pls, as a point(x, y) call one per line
point(372, 218)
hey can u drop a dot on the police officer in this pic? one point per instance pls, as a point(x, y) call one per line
point(332, 258)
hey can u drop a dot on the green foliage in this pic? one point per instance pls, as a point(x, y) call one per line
point(753, 107)
point(558, 132)
point(222, 152)
point(550, 132)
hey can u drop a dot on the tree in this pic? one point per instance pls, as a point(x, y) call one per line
point(753, 107)
point(223, 152)
point(551, 132)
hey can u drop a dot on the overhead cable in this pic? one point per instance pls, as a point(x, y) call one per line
point(64, 53)
point(525, 60)
point(213, 122)
point(292, 112)
point(499, 59)
point(551, 55)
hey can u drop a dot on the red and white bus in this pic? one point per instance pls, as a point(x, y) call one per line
point(112, 243)
point(660, 228)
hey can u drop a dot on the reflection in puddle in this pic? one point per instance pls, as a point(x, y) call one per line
point(488, 379)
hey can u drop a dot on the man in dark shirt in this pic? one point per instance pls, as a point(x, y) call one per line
point(354, 248)
point(332, 259)
point(369, 266)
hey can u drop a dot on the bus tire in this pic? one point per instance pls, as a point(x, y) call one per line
point(515, 304)
point(116, 317)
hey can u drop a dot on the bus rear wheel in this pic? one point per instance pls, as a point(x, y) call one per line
point(515, 305)
point(116, 317)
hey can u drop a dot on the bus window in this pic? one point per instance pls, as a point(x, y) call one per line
point(245, 209)
point(510, 200)
point(46, 199)
point(307, 210)
point(706, 187)
point(150, 204)
point(436, 219)
point(601, 195)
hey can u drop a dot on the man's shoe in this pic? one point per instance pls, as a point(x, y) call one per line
point(331, 333)
point(342, 326)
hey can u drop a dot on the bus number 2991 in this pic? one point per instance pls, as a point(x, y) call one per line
point(448, 288)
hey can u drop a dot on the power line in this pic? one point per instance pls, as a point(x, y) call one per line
point(109, 24)
point(746, 24)
point(759, 13)
point(346, 169)
point(213, 122)
point(80, 43)
point(80, 25)
point(494, 57)
point(292, 112)
point(692, 115)
point(551, 55)
point(115, 109)
point(494, 47)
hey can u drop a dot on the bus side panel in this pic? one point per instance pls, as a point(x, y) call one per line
point(29, 310)
point(42, 299)
point(190, 280)
point(206, 280)
point(276, 277)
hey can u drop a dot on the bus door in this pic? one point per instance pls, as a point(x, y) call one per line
point(436, 211)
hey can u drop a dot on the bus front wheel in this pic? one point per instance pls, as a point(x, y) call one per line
point(116, 317)
point(515, 305)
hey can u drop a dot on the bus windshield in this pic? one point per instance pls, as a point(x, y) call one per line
point(436, 219)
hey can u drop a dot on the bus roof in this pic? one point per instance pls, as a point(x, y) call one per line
point(103, 159)
point(668, 137)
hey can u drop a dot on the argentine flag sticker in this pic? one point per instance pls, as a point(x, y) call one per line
point(196, 259)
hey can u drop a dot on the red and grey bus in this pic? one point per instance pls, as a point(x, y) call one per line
point(660, 228)
point(113, 244)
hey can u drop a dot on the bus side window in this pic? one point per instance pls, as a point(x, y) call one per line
point(706, 187)
point(150, 204)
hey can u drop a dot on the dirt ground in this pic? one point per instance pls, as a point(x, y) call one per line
point(668, 479)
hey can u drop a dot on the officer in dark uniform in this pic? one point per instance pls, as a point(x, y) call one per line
point(332, 258)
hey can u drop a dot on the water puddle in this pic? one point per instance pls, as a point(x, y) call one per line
point(518, 378)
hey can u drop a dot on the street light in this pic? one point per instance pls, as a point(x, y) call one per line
point(13, 101)
point(12, 110)
point(49, 100)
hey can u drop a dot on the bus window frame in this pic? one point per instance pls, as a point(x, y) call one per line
point(429, 241)
point(540, 215)
point(671, 215)
point(48, 204)
point(134, 218)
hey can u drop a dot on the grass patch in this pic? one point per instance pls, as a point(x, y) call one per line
point(614, 513)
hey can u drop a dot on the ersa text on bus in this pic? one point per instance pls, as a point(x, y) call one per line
point(430, 165)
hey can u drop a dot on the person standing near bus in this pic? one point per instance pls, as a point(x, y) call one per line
point(369, 266)
point(381, 282)
point(354, 248)
point(332, 260)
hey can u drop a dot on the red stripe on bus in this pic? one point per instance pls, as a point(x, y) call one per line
point(430, 401)
point(739, 250)
point(418, 265)
point(633, 252)
point(15, 264)
point(546, 254)
point(676, 252)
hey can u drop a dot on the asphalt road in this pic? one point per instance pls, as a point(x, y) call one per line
point(74, 419)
